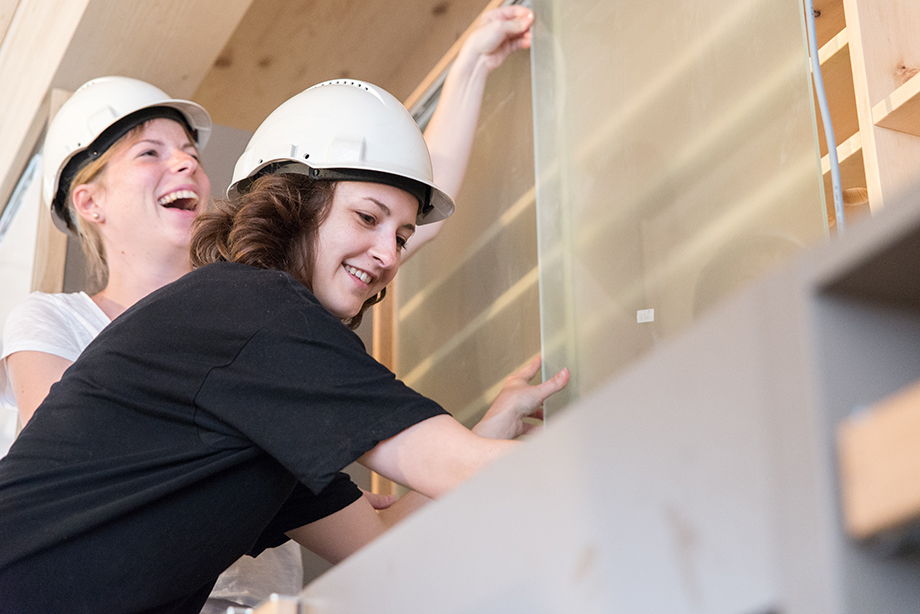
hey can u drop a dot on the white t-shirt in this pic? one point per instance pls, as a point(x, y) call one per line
point(57, 324)
point(63, 325)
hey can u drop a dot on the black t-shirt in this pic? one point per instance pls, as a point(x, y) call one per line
point(199, 426)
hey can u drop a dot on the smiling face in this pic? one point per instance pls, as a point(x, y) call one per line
point(359, 246)
point(150, 192)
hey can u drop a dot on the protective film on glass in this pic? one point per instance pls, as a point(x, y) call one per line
point(676, 160)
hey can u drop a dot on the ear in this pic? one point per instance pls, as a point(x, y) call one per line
point(85, 200)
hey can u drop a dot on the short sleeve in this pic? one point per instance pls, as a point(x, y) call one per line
point(57, 324)
point(305, 391)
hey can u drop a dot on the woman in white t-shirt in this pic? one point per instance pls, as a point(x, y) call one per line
point(120, 169)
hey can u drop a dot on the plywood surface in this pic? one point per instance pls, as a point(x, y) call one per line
point(171, 43)
point(829, 19)
point(889, 43)
point(901, 109)
point(7, 10)
point(27, 67)
point(838, 84)
point(283, 46)
point(880, 465)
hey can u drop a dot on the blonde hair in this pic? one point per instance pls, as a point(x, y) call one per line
point(87, 232)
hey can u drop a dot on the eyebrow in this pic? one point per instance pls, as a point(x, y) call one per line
point(387, 211)
point(186, 145)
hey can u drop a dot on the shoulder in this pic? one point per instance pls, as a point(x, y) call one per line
point(240, 288)
point(53, 323)
point(58, 307)
point(241, 279)
point(225, 299)
point(41, 309)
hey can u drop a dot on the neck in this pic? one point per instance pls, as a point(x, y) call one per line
point(129, 282)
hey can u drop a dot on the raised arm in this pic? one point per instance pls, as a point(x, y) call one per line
point(31, 376)
point(452, 127)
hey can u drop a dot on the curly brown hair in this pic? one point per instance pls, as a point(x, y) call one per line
point(273, 225)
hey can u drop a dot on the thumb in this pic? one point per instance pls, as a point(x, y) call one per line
point(554, 384)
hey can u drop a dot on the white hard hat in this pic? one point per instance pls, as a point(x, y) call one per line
point(345, 130)
point(99, 113)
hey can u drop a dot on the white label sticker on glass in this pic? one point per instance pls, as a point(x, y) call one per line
point(645, 315)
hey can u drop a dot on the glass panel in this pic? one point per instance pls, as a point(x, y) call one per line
point(467, 304)
point(676, 159)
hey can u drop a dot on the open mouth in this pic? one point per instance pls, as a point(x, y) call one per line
point(359, 274)
point(186, 200)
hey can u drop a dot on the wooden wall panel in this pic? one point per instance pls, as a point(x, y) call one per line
point(7, 10)
point(35, 41)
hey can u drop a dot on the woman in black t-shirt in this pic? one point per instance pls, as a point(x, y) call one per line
point(212, 418)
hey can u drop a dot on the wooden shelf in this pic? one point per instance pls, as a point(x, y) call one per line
point(852, 175)
point(901, 109)
point(830, 20)
point(848, 153)
point(838, 83)
point(880, 465)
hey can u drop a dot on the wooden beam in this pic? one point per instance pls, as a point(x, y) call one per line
point(7, 10)
point(170, 43)
point(884, 48)
point(838, 82)
point(901, 109)
point(50, 243)
point(35, 41)
point(880, 465)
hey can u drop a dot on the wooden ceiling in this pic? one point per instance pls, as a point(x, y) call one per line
point(281, 47)
point(239, 58)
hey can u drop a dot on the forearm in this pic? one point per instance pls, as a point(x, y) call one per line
point(450, 134)
point(452, 128)
point(434, 456)
point(339, 535)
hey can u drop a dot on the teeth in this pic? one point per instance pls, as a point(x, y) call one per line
point(174, 196)
point(359, 274)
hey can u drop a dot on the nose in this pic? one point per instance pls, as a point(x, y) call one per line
point(183, 161)
point(386, 251)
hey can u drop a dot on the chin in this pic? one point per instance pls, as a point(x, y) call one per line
point(343, 314)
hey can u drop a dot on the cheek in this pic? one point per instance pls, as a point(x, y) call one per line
point(205, 184)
